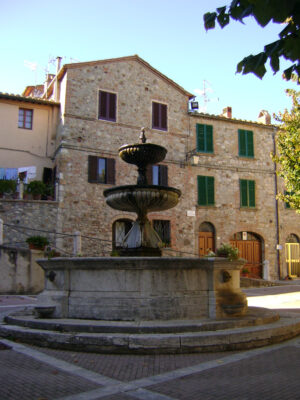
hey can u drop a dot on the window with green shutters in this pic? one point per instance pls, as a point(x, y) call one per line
point(205, 138)
point(206, 190)
point(246, 146)
point(247, 193)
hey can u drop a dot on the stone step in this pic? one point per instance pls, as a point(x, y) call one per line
point(255, 316)
point(185, 342)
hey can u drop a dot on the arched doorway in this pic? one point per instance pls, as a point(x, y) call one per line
point(206, 238)
point(120, 229)
point(292, 255)
point(250, 248)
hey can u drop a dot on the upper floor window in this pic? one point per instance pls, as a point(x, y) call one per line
point(206, 190)
point(246, 147)
point(25, 118)
point(107, 106)
point(204, 138)
point(101, 170)
point(247, 193)
point(157, 175)
point(159, 116)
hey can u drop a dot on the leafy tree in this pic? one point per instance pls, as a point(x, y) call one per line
point(285, 12)
point(288, 158)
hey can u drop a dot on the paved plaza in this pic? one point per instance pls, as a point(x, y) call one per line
point(32, 373)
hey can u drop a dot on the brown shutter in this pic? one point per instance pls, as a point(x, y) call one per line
point(163, 175)
point(112, 106)
point(155, 115)
point(92, 169)
point(110, 172)
point(102, 104)
point(163, 110)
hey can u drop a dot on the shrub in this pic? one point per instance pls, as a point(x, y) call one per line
point(8, 186)
point(36, 187)
point(38, 242)
point(228, 251)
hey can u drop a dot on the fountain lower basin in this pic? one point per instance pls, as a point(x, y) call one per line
point(143, 288)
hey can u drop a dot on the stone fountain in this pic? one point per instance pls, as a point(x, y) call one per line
point(142, 239)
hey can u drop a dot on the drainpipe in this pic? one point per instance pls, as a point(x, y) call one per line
point(276, 206)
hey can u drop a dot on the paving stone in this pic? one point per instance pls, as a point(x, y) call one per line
point(24, 378)
point(131, 367)
point(269, 376)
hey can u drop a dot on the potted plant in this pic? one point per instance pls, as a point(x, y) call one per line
point(37, 242)
point(7, 187)
point(36, 189)
point(228, 251)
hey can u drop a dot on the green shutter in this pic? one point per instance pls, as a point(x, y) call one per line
point(251, 191)
point(242, 143)
point(206, 190)
point(244, 193)
point(209, 139)
point(200, 137)
point(201, 190)
point(210, 184)
point(204, 138)
point(250, 147)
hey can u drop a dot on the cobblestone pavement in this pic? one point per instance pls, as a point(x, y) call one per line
point(33, 373)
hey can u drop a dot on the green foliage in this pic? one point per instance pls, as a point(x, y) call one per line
point(8, 186)
point(275, 11)
point(38, 241)
point(36, 187)
point(228, 251)
point(288, 158)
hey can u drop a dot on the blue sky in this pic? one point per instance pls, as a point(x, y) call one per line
point(168, 34)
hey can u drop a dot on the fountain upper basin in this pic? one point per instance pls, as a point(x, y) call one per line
point(142, 154)
point(149, 197)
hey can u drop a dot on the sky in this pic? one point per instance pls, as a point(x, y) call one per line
point(168, 34)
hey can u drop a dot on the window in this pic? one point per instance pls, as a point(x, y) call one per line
point(25, 118)
point(157, 175)
point(247, 193)
point(163, 229)
point(204, 138)
point(107, 106)
point(101, 170)
point(246, 147)
point(206, 190)
point(159, 116)
point(120, 229)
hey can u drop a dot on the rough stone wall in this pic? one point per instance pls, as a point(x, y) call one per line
point(22, 214)
point(81, 204)
point(19, 271)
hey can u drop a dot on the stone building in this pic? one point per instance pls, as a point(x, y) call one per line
point(221, 165)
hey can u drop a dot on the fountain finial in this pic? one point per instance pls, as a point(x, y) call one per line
point(143, 136)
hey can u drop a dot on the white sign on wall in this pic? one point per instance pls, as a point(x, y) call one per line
point(191, 213)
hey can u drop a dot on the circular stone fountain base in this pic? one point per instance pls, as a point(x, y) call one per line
point(260, 327)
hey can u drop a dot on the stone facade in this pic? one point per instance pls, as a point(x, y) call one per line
point(136, 85)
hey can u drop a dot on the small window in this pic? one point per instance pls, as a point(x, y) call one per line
point(246, 147)
point(157, 175)
point(107, 106)
point(25, 118)
point(101, 170)
point(163, 228)
point(206, 190)
point(247, 193)
point(204, 138)
point(159, 116)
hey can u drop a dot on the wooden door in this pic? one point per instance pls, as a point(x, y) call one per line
point(250, 250)
point(206, 243)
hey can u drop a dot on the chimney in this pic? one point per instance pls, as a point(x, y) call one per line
point(227, 112)
point(264, 117)
point(56, 87)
